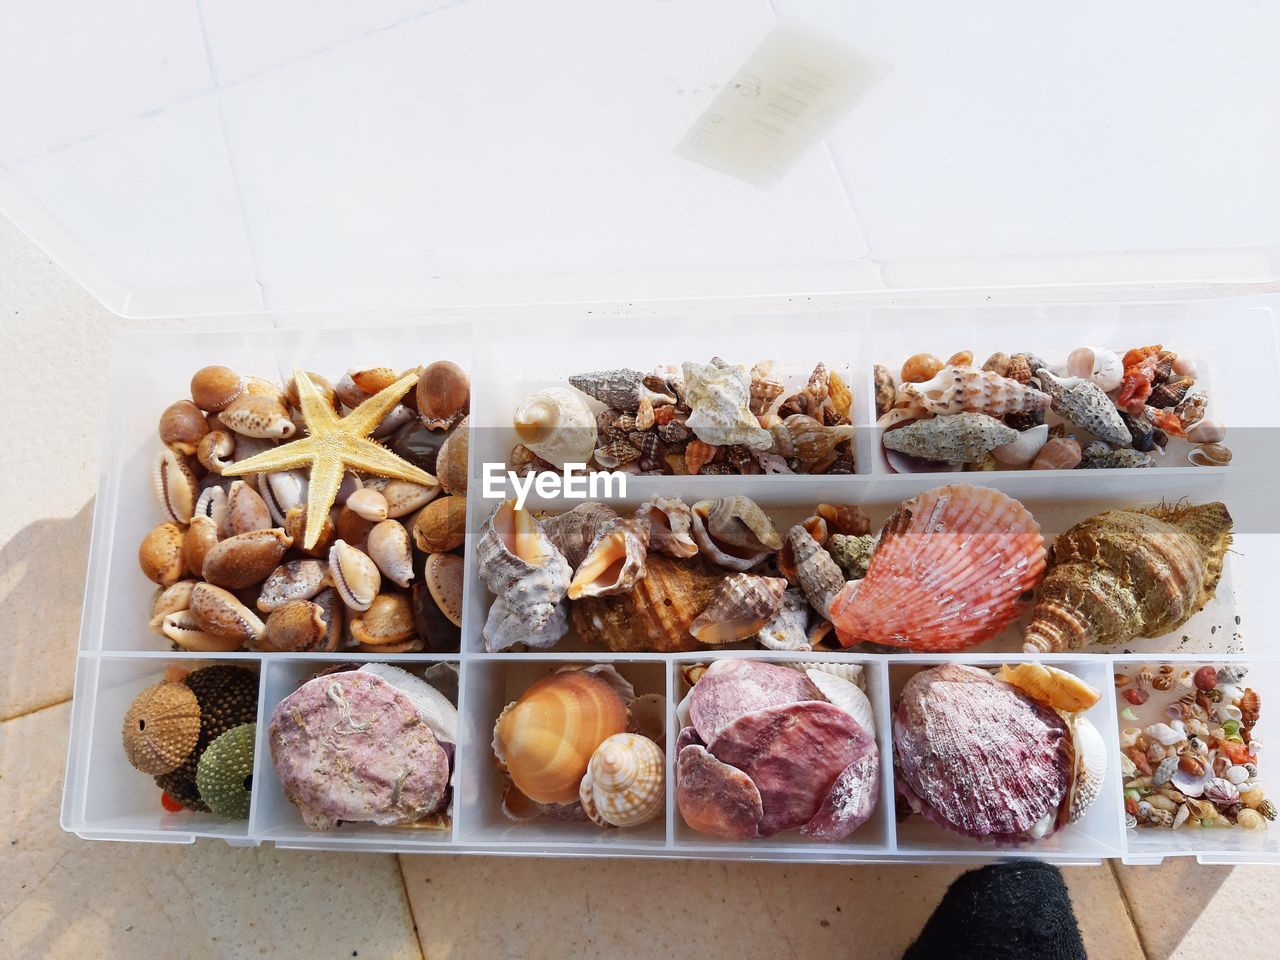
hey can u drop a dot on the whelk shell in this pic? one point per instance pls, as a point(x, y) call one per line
point(557, 425)
point(625, 784)
point(574, 531)
point(245, 559)
point(174, 486)
point(295, 580)
point(1085, 404)
point(614, 562)
point(217, 612)
point(620, 389)
point(817, 573)
point(809, 441)
point(388, 545)
point(734, 532)
point(966, 390)
point(528, 575)
point(741, 607)
point(354, 575)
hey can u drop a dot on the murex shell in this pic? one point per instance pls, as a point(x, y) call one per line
point(621, 389)
point(719, 395)
point(529, 577)
point(949, 572)
point(625, 784)
point(655, 614)
point(1129, 573)
point(1085, 404)
point(977, 755)
point(557, 425)
point(670, 525)
point(968, 390)
point(734, 532)
point(961, 438)
point(615, 560)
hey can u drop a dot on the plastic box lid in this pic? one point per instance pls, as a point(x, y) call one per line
point(228, 156)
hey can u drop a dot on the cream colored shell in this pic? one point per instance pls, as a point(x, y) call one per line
point(625, 782)
point(557, 425)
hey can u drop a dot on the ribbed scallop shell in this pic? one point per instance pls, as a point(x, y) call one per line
point(615, 560)
point(654, 615)
point(1090, 767)
point(978, 756)
point(968, 390)
point(547, 737)
point(161, 727)
point(949, 572)
point(1054, 688)
point(625, 784)
point(1129, 573)
point(670, 525)
point(574, 531)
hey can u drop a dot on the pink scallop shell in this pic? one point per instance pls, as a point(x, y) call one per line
point(733, 688)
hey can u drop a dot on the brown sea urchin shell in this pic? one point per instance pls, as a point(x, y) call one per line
point(161, 727)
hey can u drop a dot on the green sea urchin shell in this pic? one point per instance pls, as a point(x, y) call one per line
point(224, 774)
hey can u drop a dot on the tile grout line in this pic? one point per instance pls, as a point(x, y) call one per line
point(404, 885)
point(1128, 910)
point(31, 710)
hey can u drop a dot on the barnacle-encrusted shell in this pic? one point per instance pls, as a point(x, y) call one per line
point(1090, 768)
point(740, 608)
point(174, 486)
point(528, 575)
point(1085, 404)
point(620, 389)
point(443, 394)
point(719, 396)
point(574, 531)
point(670, 525)
point(257, 416)
point(977, 755)
point(557, 425)
point(961, 438)
point(1097, 364)
point(1129, 573)
point(615, 560)
point(547, 737)
point(388, 545)
point(730, 689)
point(245, 559)
point(715, 798)
point(354, 575)
point(655, 615)
point(295, 580)
point(160, 554)
point(966, 390)
point(818, 575)
point(990, 551)
point(1048, 685)
point(217, 611)
point(788, 630)
point(161, 727)
point(734, 532)
point(351, 746)
point(224, 770)
point(625, 784)
point(851, 554)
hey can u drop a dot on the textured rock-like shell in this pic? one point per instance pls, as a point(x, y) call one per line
point(354, 575)
point(730, 689)
point(546, 738)
point(967, 390)
point(435, 709)
point(1097, 364)
point(161, 728)
point(218, 612)
point(1054, 688)
point(788, 630)
point(961, 438)
point(174, 486)
point(818, 575)
point(621, 389)
point(949, 572)
point(350, 746)
point(389, 549)
point(246, 559)
point(740, 608)
point(1022, 450)
point(557, 425)
point(719, 394)
point(1090, 768)
point(655, 615)
point(1129, 573)
point(670, 525)
point(979, 756)
point(734, 532)
point(614, 562)
point(625, 784)
point(574, 531)
point(529, 576)
point(851, 554)
point(1085, 404)
point(295, 580)
point(715, 798)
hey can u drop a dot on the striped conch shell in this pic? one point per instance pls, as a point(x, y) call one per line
point(968, 390)
point(574, 531)
point(625, 784)
point(742, 606)
point(529, 576)
point(557, 425)
point(1129, 573)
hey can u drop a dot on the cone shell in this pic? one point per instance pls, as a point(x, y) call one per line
point(977, 755)
point(1055, 688)
point(817, 573)
point(1129, 573)
point(574, 531)
point(557, 425)
point(949, 572)
point(961, 438)
point(625, 784)
point(1085, 404)
point(547, 738)
point(719, 396)
point(741, 607)
point(734, 532)
point(615, 561)
point(655, 615)
point(161, 727)
point(1090, 768)
point(670, 525)
point(967, 390)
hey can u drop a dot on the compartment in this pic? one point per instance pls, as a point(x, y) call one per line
point(490, 685)
point(873, 838)
point(276, 819)
point(1098, 833)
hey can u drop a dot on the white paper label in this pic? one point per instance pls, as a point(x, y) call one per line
point(792, 90)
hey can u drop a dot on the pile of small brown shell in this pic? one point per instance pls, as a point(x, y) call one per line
point(715, 418)
point(386, 574)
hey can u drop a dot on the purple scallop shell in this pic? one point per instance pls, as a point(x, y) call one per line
point(851, 799)
point(714, 798)
point(687, 736)
point(991, 762)
point(731, 689)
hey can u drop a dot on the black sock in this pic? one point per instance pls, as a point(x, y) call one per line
point(1018, 909)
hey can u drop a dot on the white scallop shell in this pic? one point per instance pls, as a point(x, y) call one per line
point(1091, 767)
point(625, 782)
point(845, 695)
point(1098, 364)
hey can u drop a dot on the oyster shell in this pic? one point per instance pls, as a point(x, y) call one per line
point(614, 562)
point(557, 425)
point(719, 396)
point(967, 390)
point(730, 689)
point(741, 607)
point(625, 784)
point(670, 525)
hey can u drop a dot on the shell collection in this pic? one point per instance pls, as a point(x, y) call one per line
point(1009, 758)
point(310, 516)
point(699, 418)
point(1097, 409)
point(1188, 751)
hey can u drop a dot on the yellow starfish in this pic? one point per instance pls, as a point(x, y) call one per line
point(334, 445)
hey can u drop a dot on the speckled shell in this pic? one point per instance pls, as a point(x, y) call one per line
point(557, 425)
point(977, 755)
point(730, 689)
point(528, 575)
point(625, 784)
point(451, 460)
point(443, 394)
point(1085, 404)
point(160, 554)
point(620, 389)
point(1055, 688)
point(788, 630)
point(1097, 364)
point(818, 575)
point(574, 531)
point(670, 525)
point(949, 572)
point(966, 390)
point(545, 739)
point(740, 608)
point(719, 396)
point(715, 798)
point(265, 418)
point(614, 562)
point(655, 615)
point(389, 549)
point(351, 747)
point(354, 575)
point(245, 559)
point(851, 554)
point(246, 510)
point(960, 438)
point(167, 600)
point(218, 612)
point(161, 727)
point(733, 532)
point(387, 622)
point(1090, 768)
point(295, 580)
point(174, 486)
point(1129, 573)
